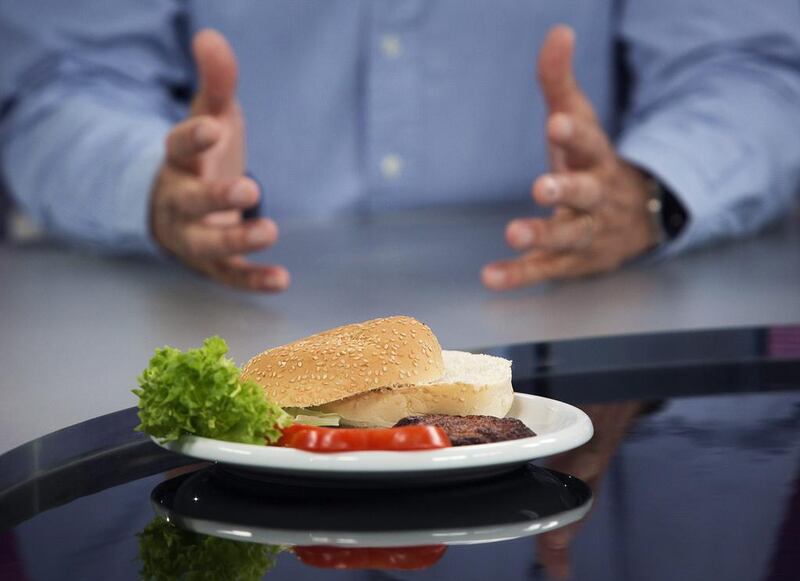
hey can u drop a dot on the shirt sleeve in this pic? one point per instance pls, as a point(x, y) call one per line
point(713, 109)
point(86, 100)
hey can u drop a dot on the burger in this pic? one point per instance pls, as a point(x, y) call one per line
point(376, 373)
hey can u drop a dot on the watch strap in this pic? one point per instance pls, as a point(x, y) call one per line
point(667, 213)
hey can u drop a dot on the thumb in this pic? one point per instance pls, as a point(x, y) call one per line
point(556, 76)
point(217, 72)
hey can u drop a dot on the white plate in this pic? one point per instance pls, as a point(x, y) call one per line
point(558, 427)
point(446, 536)
point(526, 502)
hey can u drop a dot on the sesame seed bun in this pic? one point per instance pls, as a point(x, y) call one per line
point(347, 361)
point(472, 384)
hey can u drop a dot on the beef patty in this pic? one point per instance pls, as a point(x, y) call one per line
point(467, 430)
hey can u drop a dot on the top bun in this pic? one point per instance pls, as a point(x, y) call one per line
point(348, 360)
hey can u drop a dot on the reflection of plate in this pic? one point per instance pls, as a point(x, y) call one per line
point(559, 427)
point(525, 502)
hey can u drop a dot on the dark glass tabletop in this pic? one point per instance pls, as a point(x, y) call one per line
point(693, 473)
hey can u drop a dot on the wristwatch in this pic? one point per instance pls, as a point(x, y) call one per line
point(667, 213)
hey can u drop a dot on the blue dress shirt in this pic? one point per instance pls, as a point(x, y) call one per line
point(358, 106)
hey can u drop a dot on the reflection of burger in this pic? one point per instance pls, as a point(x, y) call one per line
point(378, 372)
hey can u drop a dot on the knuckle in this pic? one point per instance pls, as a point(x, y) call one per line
point(172, 209)
point(188, 198)
point(239, 277)
point(234, 240)
point(230, 277)
point(175, 141)
point(253, 280)
point(515, 274)
point(172, 136)
point(180, 201)
point(585, 191)
point(167, 205)
point(590, 192)
point(546, 233)
point(202, 199)
point(548, 270)
point(227, 276)
point(529, 272)
point(217, 196)
point(189, 247)
point(566, 237)
point(160, 202)
point(569, 186)
point(577, 237)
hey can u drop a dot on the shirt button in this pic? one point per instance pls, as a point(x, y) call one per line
point(391, 166)
point(391, 47)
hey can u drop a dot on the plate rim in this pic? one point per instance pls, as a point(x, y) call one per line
point(377, 539)
point(267, 458)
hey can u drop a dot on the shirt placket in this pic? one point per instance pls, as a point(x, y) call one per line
point(393, 107)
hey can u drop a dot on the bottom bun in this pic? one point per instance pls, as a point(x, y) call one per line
point(471, 385)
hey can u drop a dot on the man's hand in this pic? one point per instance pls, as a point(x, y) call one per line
point(600, 216)
point(200, 192)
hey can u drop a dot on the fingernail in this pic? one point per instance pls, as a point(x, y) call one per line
point(239, 195)
point(522, 235)
point(259, 236)
point(563, 126)
point(203, 134)
point(494, 277)
point(275, 280)
point(550, 188)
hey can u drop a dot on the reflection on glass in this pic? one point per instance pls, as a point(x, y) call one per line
point(783, 342)
point(589, 463)
point(168, 553)
point(238, 528)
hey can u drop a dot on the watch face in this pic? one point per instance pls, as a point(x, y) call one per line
point(673, 214)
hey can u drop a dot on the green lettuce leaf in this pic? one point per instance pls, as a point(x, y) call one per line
point(168, 553)
point(200, 392)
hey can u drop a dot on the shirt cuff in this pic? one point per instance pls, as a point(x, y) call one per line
point(132, 220)
point(673, 168)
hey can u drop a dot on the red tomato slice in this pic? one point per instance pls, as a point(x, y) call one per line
point(371, 558)
point(316, 439)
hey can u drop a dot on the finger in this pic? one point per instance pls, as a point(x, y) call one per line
point(224, 218)
point(238, 272)
point(556, 235)
point(203, 242)
point(194, 199)
point(583, 141)
point(189, 139)
point(528, 270)
point(558, 159)
point(580, 191)
point(553, 552)
point(217, 72)
point(559, 86)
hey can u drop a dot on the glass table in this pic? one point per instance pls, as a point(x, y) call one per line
point(693, 473)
